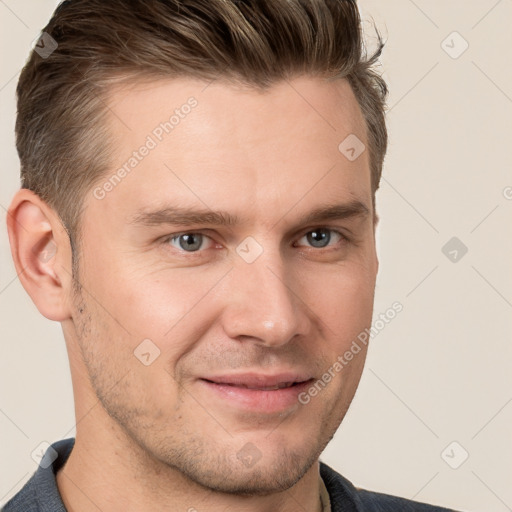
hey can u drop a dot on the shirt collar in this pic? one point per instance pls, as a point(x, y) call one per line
point(324, 497)
point(50, 500)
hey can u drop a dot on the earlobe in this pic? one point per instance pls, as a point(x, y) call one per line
point(41, 253)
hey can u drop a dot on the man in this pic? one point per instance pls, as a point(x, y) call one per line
point(198, 211)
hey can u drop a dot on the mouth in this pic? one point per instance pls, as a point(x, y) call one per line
point(281, 385)
point(257, 392)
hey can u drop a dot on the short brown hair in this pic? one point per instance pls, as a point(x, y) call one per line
point(60, 133)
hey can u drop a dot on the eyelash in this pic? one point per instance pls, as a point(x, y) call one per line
point(343, 239)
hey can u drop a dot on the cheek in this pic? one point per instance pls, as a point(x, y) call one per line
point(143, 297)
point(164, 306)
point(130, 372)
point(343, 300)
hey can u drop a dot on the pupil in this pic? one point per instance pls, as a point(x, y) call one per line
point(319, 237)
point(190, 242)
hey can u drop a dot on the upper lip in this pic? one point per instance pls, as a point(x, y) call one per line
point(259, 380)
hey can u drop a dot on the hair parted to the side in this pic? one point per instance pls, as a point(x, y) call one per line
point(61, 124)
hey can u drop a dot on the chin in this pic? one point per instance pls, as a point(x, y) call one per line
point(262, 479)
point(247, 471)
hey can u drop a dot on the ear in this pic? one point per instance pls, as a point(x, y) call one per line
point(376, 219)
point(41, 251)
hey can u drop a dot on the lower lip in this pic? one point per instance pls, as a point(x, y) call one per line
point(269, 401)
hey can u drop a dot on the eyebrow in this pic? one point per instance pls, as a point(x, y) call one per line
point(174, 215)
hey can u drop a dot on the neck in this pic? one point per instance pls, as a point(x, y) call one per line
point(108, 471)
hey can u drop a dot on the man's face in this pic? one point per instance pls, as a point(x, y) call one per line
point(231, 310)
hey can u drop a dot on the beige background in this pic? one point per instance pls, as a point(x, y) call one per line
point(440, 371)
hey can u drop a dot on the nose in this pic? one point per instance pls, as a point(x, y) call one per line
point(261, 303)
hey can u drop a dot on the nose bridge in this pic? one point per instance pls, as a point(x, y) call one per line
point(261, 304)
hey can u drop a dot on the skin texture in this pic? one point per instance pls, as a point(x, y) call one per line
point(154, 437)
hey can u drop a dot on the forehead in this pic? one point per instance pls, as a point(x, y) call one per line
point(319, 105)
point(234, 148)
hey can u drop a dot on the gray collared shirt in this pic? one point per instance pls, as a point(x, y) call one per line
point(41, 494)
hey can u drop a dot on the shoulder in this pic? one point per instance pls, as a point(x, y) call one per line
point(378, 502)
point(40, 493)
point(345, 496)
point(25, 500)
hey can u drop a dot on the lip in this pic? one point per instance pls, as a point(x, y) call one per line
point(259, 380)
point(249, 391)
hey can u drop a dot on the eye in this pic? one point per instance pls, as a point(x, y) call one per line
point(319, 238)
point(188, 242)
point(195, 242)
